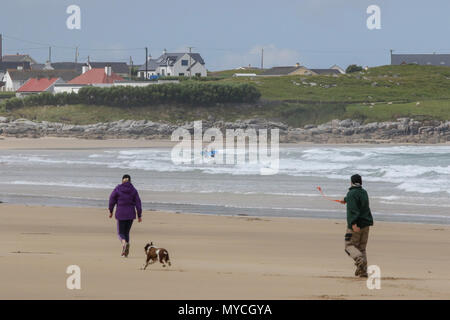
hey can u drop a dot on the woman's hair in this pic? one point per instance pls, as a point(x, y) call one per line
point(126, 178)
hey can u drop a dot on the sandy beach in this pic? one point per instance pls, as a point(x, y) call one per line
point(214, 257)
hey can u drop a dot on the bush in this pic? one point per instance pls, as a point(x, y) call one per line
point(353, 68)
point(189, 92)
point(13, 103)
point(186, 93)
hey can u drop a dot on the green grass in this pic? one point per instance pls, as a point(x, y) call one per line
point(297, 105)
point(291, 113)
point(432, 109)
point(393, 83)
point(230, 73)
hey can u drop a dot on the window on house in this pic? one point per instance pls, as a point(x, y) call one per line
point(184, 62)
point(181, 74)
point(198, 74)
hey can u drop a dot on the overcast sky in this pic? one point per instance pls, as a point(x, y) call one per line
point(228, 34)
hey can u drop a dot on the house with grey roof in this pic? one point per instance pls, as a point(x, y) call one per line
point(11, 65)
point(421, 59)
point(325, 72)
point(286, 71)
point(174, 64)
point(299, 70)
point(336, 67)
point(18, 58)
point(76, 66)
point(121, 68)
point(14, 79)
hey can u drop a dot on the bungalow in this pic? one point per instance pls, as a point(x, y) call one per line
point(18, 58)
point(421, 59)
point(103, 77)
point(38, 85)
point(174, 64)
point(14, 79)
point(286, 71)
point(96, 76)
point(299, 70)
point(120, 68)
point(4, 66)
point(336, 67)
point(325, 72)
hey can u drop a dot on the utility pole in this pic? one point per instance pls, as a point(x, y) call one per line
point(76, 54)
point(146, 63)
point(49, 54)
point(262, 58)
point(1, 48)
point(131, 66)
point(190, 61)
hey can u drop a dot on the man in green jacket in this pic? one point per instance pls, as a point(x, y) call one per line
point(359, 220)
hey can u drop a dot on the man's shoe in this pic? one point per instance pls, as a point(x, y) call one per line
point(363, 275)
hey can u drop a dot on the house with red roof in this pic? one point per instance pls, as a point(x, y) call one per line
point(96, 76)
point(38, 85)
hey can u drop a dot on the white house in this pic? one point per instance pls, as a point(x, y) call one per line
point(14, 79)
point(68, 87)
point(174, 64)
point(336, 67)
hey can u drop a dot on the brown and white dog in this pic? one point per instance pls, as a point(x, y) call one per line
point(154, 254)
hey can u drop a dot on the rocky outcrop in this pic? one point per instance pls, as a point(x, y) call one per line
point(404, 130)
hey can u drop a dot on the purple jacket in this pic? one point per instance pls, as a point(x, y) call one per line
point(126, 197)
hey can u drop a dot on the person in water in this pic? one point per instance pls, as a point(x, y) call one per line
point(359, 220)
point(128, 203)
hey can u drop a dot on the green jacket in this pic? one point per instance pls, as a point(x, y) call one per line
point(358, 210)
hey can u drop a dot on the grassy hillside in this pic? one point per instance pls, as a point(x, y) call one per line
point(387, 83)
point(379, 94)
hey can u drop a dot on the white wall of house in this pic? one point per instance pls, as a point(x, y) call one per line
point(179, 68)
point(198, 70)
point(182, 66)
point(68, 88)
point(142, 74)
point(10, 84)
point(64, 88)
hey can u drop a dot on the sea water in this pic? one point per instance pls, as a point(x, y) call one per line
point(408, 183)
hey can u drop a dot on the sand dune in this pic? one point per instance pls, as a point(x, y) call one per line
point(213, 257)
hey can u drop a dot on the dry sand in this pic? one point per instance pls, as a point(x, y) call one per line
point(214, 257)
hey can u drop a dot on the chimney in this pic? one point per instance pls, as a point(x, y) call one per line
point(1, 48)
point(108, 71)
point(84, 69)
point(165, 51)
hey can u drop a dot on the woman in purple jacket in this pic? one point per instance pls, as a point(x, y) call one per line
point(126, 197)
